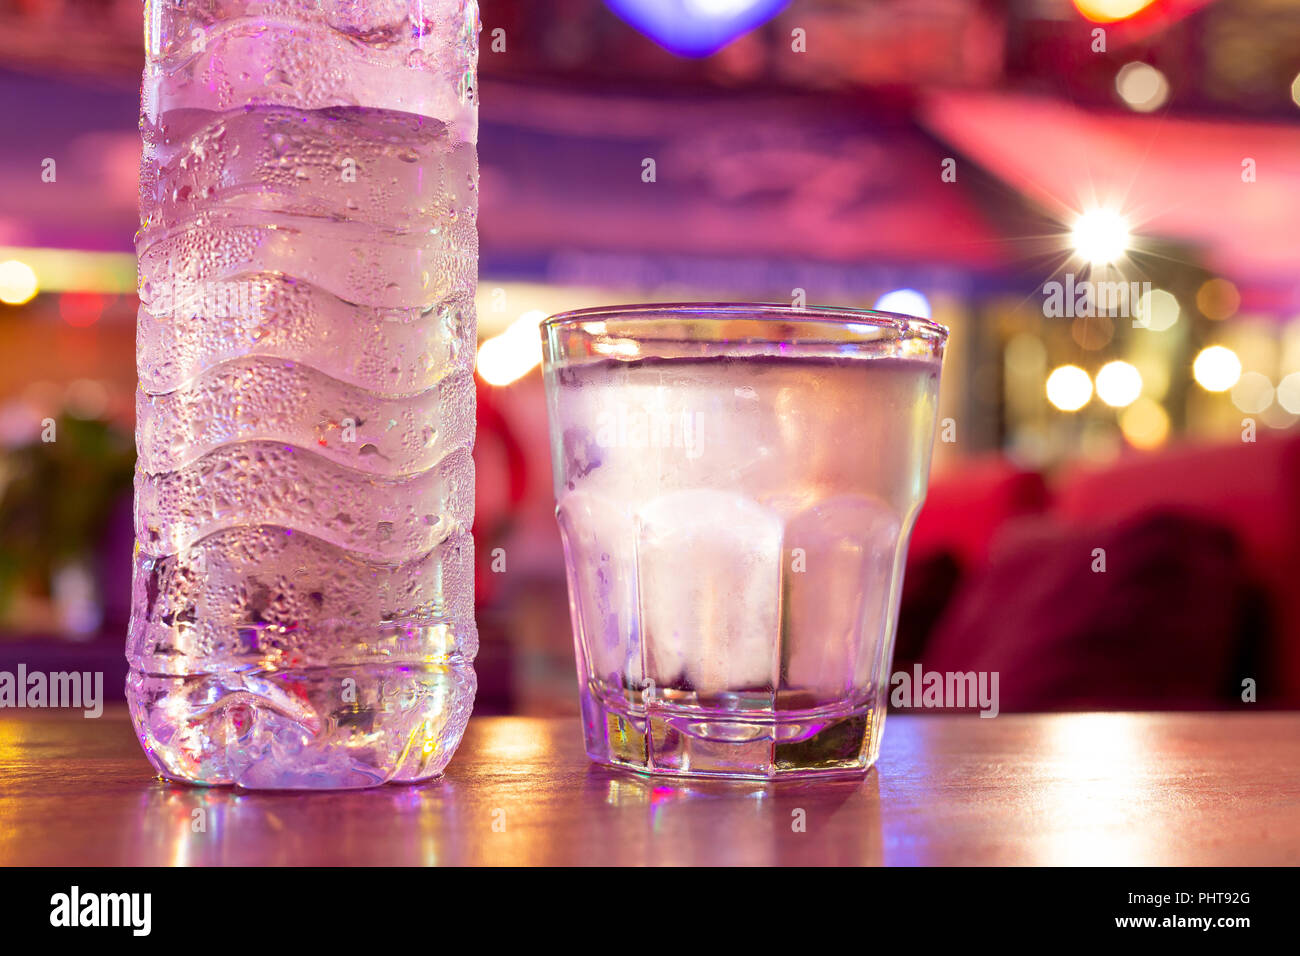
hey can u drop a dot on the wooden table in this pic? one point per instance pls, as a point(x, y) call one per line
point(1065, 789)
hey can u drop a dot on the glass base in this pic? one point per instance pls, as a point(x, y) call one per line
point(762, 745)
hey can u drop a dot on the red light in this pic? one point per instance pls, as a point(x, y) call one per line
point(80, 309)
point(1110, 11)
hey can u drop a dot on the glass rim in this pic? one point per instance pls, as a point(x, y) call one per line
point(776, 313)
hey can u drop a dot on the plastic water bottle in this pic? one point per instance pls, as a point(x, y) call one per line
point(302, 608)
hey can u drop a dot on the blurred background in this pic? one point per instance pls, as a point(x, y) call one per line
point(1101, 198)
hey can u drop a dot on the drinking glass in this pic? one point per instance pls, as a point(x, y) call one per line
point(735, 488)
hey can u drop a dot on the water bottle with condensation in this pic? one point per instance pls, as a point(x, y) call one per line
point(302, 609)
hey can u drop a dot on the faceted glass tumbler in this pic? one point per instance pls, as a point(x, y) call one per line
point(735, 488)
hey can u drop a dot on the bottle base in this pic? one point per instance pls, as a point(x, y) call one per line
point(324, 728)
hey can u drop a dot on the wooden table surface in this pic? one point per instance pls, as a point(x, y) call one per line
point(1063, 789)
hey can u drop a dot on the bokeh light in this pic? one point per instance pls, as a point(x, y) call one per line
point(1288, 393)
point(1092, 332)
point(1145, 424)
point(1253, 392)
point(1216, 368)
point(1100, 236)
point(514, 353)
point(1142, 87)
point(1069, 388)
point(86, 398)
point(1218, 299)
point(718, 8)
point(1109, 11)
point(904, 302)
point(81, 309)
point(17, 282)
point(1157, 310)
point(1119, 384)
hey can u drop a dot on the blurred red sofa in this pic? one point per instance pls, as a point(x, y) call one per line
point(1200, 530)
